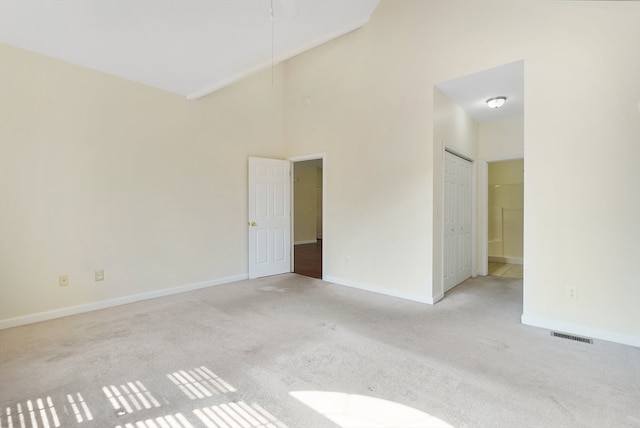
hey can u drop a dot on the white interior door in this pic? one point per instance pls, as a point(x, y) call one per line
point(269, 217)
point(457, 220)
point(450, 223)
point(464, 212)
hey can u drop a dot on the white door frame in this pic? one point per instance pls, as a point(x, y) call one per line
point(474, 214)
point(484, 209)
point(302, 158)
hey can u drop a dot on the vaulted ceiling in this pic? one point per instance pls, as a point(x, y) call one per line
point(188, 47)
point(195, 47)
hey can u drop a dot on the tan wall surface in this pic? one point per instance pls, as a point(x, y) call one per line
point(97, 172)
point(506, 208)
point(372, 113)
point(305, 203)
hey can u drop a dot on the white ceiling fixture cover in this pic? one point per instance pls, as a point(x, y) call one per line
point(188, 47)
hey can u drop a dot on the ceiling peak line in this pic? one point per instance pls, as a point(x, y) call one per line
point(209, 89)
point(185, 48)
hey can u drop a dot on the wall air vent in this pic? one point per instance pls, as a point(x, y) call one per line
point(572, 337)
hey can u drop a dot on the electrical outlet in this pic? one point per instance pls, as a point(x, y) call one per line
point(572, 292)
point(63, 281)
point(99, 275)
point(348, 260)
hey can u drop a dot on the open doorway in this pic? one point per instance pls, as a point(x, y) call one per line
point(466, 123)
point(307, 217)
point(505, 218)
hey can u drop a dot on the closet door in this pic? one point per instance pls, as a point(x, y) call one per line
point(450, 223)
point(457, 220)
point(463, 259)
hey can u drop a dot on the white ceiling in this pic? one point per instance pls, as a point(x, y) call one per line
point(471, 92)
point(188, 47)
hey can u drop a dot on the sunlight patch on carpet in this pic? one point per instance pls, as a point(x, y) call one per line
point(37, 412)
point(232, 415)
point(351, 411)
point(169, 421)
point(130, 397)
point(79, 408)
point(200, 383)
point(119, 405)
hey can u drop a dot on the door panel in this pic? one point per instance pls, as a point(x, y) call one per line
point(457, 220)
point(464, 220)
point(269, 217)
point(450, 224)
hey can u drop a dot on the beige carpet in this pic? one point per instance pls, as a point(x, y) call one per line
point(291, 351)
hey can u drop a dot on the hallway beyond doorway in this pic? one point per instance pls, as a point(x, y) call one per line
point(505, 269)
point(308, 259)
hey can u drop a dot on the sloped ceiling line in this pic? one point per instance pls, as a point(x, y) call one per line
point(274, 61)
point(188, 47)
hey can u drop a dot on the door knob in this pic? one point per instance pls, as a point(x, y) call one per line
point(253, 223)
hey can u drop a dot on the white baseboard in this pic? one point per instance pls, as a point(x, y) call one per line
point(88, 307)
point(308, 241)
point(435, 299)
point(385, 291)
point(563, 327)
point(505, 259)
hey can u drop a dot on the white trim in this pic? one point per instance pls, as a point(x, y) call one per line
point(580, 330)
point(474, 214)
point(437, 282)
point(308, 241)
point(493, 159)
point(459, 153)
point(303, 158)
point(384, 291)
point(88, 307)
point(474, 219)
point(505, 259)
point(484, 217)
point(435, 299)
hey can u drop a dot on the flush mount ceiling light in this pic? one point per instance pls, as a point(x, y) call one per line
point(496, 102)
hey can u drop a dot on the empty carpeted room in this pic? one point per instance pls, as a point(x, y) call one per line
point(151, 173)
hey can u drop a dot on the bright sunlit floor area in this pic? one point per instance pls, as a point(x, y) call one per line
point(507, 270)
point(293, 351)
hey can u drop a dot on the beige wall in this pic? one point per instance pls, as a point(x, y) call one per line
point(501, 139)
point(101, 173)
point(506, 209)
point(507, 172)
point(305, 202)
point(372, 112)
